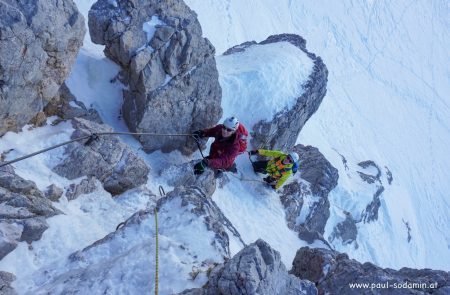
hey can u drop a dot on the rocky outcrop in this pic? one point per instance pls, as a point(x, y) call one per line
point(305, 200)
point(256, 269)
point(193, 234)
point(6, 279)
point(86, 186)
point(370, 213)
point(282, 130)
point(39, 41)
point(66, 107)
point(346, 231)
point(105, 157)
point(23, 210)
point(168, 67)
point(333, 272)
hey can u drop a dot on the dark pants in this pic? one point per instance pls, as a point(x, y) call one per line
point(260, 167)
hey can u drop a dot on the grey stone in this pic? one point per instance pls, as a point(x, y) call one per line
point(107, 158)
point(345, 230)
point(23, 210)
point(317, 178)
point(282, 130)
point(371, 212)
point(53, 192)
point(9, 237)
point(86, 186)
point(33, 228)
point(196, 194)
point(62, 105)
point(39, 41)
point(172, 75)
point(256, 269)
point(6, 279)
point(332, 272)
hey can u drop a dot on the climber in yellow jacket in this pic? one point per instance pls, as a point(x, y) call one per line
point(279, 168)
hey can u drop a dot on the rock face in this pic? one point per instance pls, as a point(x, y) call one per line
point(39, 41)
point(345, 230)
point(23, 210)
point(332, 272)
point(6, 279)
point(168, 67)
point(107, 158)
point(65, 106)
point(282, 130)
point(256, 269)
point(193, 234)
point(305, 200)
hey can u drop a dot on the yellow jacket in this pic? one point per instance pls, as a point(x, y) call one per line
point(275, 166)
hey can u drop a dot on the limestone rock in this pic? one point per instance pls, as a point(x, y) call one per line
point(107, 158)
point(39, 41)
point(332, 272)
point(169, 68)
point(256, 269)
point(282, 130)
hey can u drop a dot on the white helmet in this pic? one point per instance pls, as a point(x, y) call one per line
point(231, 123)
point(294, 156)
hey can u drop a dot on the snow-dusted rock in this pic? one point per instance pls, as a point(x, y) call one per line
point(23, 210)
point(305, 200)
point(6, 279)
point(107, 158)
point(193, 234)
point(39, 41)
point(256, 269)
point(281, 131)
point(332, 272)
point(345, 230)
point(86, 186)
point(168, 67)
point(53, 192)
point(65, 106)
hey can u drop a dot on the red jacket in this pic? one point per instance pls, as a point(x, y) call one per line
point(225, 150)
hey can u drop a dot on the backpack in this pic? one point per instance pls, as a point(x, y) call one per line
point(242, 134)
point(294, 168)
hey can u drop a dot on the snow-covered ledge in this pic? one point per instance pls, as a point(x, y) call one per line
point(276, 85)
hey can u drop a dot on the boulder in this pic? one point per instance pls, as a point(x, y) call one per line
point(333, 272)
point(346, 230)
point(39, 41)
point(107, 158)
point(6, 279)
point(256, 269)
point(193, 235)
point(168, 67)
point(66, 107)
point(23, 210)
point(86, 186)
point(281, 131)
point(305, 199)
point(53, 192)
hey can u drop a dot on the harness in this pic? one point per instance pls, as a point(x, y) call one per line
point(276, 168)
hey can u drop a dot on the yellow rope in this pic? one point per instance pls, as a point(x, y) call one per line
point(156, 254)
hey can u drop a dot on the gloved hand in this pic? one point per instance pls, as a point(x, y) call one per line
point(199, 168)
point(198, 134)
point(253, 152)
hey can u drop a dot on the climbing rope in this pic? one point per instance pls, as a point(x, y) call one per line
point(156, 253)
point(162, 193)
point(91, 138)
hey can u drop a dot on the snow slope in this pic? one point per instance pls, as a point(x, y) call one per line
point(388, 101)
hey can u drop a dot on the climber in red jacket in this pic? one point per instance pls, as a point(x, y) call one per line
point(230, 141)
